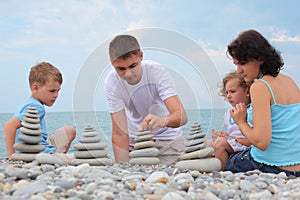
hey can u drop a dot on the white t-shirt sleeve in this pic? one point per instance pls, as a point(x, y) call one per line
point(164, 82)
point(113, 97)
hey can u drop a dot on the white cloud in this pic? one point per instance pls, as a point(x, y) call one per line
point(139, 8)
point(216, 52)
point(211, 49)
point(286, 38)
point(140, 23)
point(282, 35)
point(34, 41)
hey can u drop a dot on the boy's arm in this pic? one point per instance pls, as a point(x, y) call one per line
point(10, 129)
point(120, 139)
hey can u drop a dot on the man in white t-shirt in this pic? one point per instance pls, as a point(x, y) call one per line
point(141, 95)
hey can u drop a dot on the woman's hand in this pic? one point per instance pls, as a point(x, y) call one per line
point(151, 122)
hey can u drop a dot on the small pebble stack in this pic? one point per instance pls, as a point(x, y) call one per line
point(144, 152)
point(90, 149)
point(30, 136)
point(196, 155)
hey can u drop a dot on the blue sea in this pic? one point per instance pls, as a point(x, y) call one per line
point(208, 118)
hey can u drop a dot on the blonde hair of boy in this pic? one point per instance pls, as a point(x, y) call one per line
point(43, 72)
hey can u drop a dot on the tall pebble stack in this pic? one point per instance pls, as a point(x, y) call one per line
point(30, 137)
point(144, 152)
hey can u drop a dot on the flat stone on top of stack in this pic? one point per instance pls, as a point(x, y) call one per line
point(144, 152)
point(197, 156)
point(30, 136)
point(90, 149)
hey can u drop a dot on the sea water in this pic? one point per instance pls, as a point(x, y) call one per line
point(208, 118)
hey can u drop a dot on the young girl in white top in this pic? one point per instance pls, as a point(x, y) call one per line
point(235, 90)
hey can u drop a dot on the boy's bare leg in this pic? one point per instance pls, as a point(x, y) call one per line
point(62, 138)
point(71, 134)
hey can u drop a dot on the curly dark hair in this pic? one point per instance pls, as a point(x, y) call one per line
point(251, 45)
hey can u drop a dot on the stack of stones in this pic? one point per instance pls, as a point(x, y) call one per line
point(197, 156)
point(30, 136)
point(144, 152)
point(90, 149)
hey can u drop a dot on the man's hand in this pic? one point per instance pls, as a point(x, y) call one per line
point(151, 122)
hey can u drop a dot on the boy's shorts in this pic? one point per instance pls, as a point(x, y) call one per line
point(59, 139)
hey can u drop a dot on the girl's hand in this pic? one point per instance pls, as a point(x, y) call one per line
point(216, 134)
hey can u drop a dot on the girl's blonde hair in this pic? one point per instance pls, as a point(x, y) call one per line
point(230, 76)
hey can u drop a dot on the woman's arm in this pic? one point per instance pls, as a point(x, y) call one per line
point(243, 141)
point(260, 134)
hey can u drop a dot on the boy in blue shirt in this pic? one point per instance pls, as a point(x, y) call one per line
point(45, 82)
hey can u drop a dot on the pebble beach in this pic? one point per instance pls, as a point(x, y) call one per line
point(20, 180)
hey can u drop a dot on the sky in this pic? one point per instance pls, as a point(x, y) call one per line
point(188, 37)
